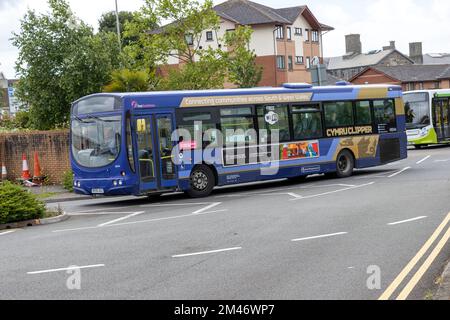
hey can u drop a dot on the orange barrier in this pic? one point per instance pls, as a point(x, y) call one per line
point(37, 167)
point(25, 170)
point(4, 172)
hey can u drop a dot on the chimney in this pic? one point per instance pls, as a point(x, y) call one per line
point(415, 52)
point(390, 47)
point(353, 44)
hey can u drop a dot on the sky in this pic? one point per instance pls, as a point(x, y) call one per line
point(378, 22)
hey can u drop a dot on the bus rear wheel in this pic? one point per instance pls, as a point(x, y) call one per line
point(202, 182)
point(345, 164)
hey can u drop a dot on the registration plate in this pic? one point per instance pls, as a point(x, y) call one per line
point(98, 191)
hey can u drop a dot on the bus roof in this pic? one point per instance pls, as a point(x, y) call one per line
point(325, 93)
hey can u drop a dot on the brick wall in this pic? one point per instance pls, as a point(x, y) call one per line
point(52, 148)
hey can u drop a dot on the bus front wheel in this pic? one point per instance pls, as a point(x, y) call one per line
point(202, 182)
point(345, 164)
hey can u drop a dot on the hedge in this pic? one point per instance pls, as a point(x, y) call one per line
point(17, 204)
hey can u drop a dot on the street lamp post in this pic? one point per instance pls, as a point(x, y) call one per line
point(118, 26)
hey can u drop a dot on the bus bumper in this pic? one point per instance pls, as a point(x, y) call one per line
point(417, 139)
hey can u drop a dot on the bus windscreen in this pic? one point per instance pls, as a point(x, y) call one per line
point(417, 109)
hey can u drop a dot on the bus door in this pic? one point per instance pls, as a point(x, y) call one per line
point(154, 152)
point(442, 115)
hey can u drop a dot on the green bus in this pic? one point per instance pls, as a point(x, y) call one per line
point(427, 117)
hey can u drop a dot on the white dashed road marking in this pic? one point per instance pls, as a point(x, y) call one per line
point(423, 160)
point(320, 237)
point(121, 219)
point(405, 221)
point(399, 172)
point(66, 269)
point(205, 252)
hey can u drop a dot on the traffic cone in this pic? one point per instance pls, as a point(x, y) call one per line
point(25, 170)
point(4, 172)
point(37, 168)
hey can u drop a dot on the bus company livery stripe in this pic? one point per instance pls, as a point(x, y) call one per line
point(212, 101)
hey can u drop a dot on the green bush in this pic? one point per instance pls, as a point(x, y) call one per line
point(17, 204)
point(68, 180)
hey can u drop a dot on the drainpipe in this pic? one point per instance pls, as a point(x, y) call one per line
point(275, 52)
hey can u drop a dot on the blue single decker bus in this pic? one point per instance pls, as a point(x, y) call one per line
point(158, 142)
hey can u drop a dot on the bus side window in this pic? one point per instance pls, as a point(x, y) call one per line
point(238, 126)
point(307, 122)
point(271, 118)
point(363, 115)
point(384, 111)
point(338, 114)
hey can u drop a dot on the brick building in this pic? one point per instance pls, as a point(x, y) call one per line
point(286, 41)
point(354, 61)
point(410, 77)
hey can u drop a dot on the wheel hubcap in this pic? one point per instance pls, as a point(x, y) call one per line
point(343, 163)
point(199, 181)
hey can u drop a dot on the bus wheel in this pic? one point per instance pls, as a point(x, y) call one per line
point(344, 164)
point(202, 182)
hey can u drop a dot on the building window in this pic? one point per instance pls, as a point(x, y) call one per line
point(281, 63)
point(209, 36)
point(420, 85)
point(410, 86)
point(308, 62)
point(306, 34)
point(189, 39)
point(290, 63)
point(298, 31)
point(315, 36)
point(289, 33)
point(280, 32)
point(299, 60)
point(437, 85)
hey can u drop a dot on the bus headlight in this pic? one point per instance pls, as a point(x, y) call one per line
point(424, 132)
point(120, 182)
point(115, 183)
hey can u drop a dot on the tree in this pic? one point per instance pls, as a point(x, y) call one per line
point(60, 60)
point(108, 23)
point(126, 80)
point(240, 60)
point(201, 68)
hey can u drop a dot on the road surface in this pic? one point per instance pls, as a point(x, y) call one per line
point(378, 234)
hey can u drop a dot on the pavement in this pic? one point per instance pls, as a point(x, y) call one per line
point(381, 234)
point(55, 193)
